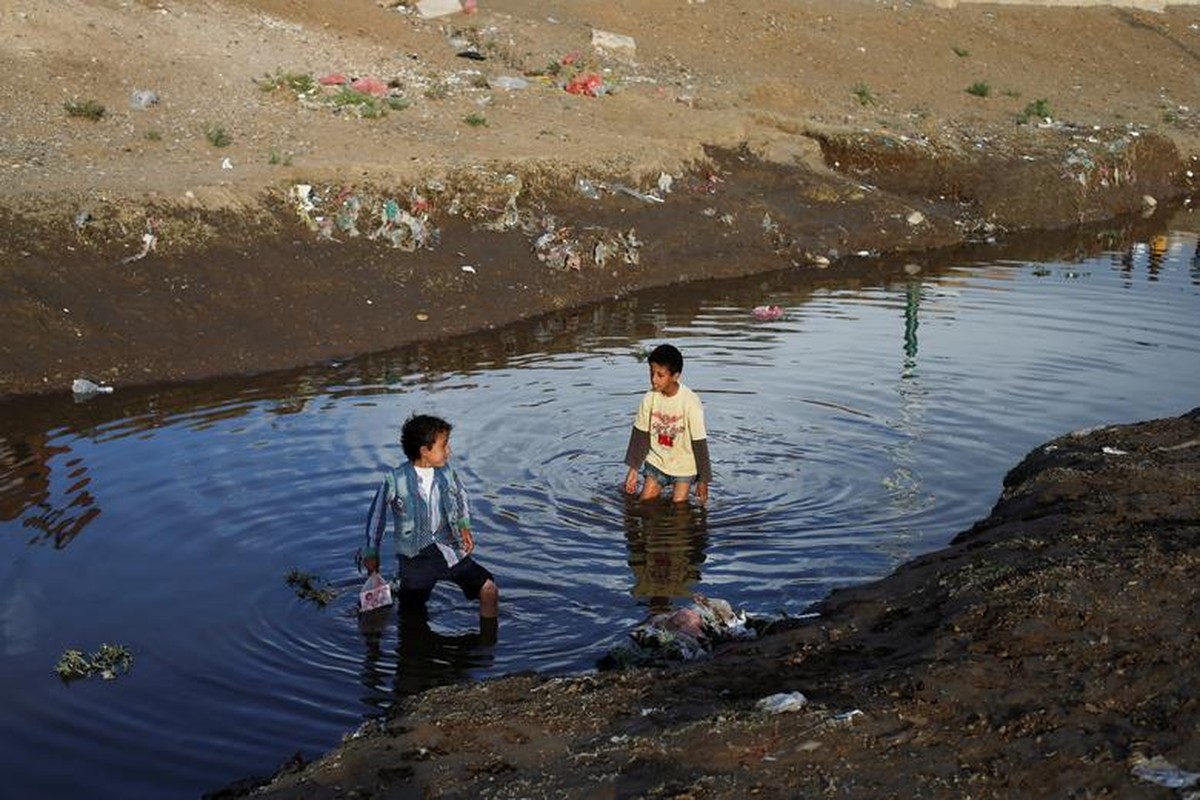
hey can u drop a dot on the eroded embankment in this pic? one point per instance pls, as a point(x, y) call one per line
point(130, 292)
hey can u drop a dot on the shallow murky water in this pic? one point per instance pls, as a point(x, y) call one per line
point(871, 422)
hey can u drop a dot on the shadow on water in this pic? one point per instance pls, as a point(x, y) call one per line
point(31, 444)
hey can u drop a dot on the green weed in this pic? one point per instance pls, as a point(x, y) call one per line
point(217, 136)
point(299, 83)
point(85, 109)
point(152, 135)
point(476, 120)
point(1038, 109)
point(979, 89)
point(961, 52)
point(863, 93)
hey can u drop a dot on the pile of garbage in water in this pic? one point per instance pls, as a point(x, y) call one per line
point(685, 634)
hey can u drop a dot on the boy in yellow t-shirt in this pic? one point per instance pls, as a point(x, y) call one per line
point(668, 443)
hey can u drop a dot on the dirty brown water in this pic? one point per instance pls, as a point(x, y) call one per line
point(870, 423)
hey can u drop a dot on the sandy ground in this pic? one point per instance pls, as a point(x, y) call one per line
point(1050, 651)
point(164, 240)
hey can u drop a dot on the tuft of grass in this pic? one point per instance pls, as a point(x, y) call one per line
point(367, 106)
point(217, 136)
point(152, 135)
point(1038, 109)
point(476, 120)
point(85, 109)
point(961, 52)
point(397, 103)
point(437, 91)
point(275, 158)
point(297, 82)
point(864, 94)
point(979, 89)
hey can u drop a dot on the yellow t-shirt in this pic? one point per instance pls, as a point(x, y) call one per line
point(672, 422)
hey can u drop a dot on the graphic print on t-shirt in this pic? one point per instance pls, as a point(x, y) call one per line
point(665, 427)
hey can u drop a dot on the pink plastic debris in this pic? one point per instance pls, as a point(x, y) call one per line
point(587, 83)
point(371, 86)
point(333, 79)
point(767, 313)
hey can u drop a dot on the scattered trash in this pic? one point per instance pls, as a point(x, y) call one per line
point(586, 83)
point(846, 717)
point(108, 661)
point(82, 387)
point(82, 219)
point(429, 9)
point(645, 197)
point(1149, 204)
point(141, 99)
point(767, 313)
point(782, 703)
point(226, 163)
point(665, 181)
point(587, 188)
point(1113, 451)
point(376, 593)
point(149, 243)
point(309, 587)
point(682, 635)
point(508, 82)
point(915, 218)
point(333, 79)
point(371, 86)
point(1162, 772)
point(614, 43)
point(468, 268)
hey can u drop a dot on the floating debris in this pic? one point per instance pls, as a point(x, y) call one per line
point(311, 588)
point(109, 661)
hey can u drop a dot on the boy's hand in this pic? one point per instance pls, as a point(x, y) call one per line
point(702, 493)
point(631, 482)
point(468, 541)
point(368, 561)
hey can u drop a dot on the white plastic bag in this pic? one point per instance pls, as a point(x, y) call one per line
point(376, 593)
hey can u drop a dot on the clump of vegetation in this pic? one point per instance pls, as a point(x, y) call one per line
point(1038, 109)
point(275, 157)
point(864, 94)
point(437, 91)
point(299, 83)
point(476, 120)
point(979, 89)
point(152, 135)
point(367, 106)
point(109, 661)
point(217, 136)
point(397, 103)
point(311, 588)
point(85, 109)
point(961, 52)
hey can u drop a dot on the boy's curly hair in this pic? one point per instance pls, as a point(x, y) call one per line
point(667, 355)
point(421, 430)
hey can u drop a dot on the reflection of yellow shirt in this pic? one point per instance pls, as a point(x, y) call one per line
point(672, 422)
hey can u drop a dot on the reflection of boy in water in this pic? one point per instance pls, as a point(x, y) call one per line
point(668, 442)
point(666, 548)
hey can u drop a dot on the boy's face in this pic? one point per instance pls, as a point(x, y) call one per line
point(662, 380)
point(438, 454)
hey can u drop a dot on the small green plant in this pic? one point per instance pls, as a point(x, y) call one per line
point(961, 52)
point(1013, 93)
point(153, 135)
point(1170, 117)
point(85, 109)
point(367, 106)
point(1038, 109)
point(864, 94)
point(217, 136)
point(979, 89)
point(476, 120)
point(297, 82)
point(275, 158)
point(397, 103)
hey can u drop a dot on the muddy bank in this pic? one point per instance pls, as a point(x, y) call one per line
point(1049, 650)
point(130, 293)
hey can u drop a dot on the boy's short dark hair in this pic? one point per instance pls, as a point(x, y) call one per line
point(421, 430)
point(667, 355)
